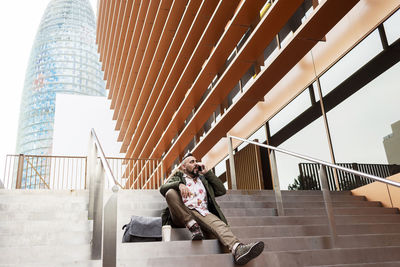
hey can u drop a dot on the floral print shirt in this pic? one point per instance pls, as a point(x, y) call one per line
point(198, 196)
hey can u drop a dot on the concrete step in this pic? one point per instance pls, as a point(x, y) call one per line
point(53, 192)
point(375, 264)
point(289, 198)
point(43, 215)
point(40, 200)
point(169, 249)
point(65, 205)
point(66, 192)
point(133, 205)
point(312, 230)
point(45, 238)
point(23, 256)
point(71, 263)
point(126, 197)
point(42, 195)
point(239, 194)
point(284, 192)
point(310, 220)
point(125, 214)
point(341, 211)
point(323, 242)
point(279, 259)
point(231, 212)
point(264, 204)
point(341, 257)
point(242, 192)
point(166, 249)
point(22, 227)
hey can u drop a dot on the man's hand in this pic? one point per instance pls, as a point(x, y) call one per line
point(185, 192)
point(203, 168)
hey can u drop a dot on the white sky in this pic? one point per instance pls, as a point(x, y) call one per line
point(19, 21)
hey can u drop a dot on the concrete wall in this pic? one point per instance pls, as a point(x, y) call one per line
point(388, 195)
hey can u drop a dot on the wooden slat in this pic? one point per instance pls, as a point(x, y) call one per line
point(99, 22)
point(171, 24)
point(141, 47)
point(266, 30)
point(141, 92)
point(166, 61)
point(125, 51)
point(181, 58)
point(110, 35)
point(128, 13)
point(215, 28)
point(228, 41)
point(106, 23)
point(133, 48)
point(118, 15)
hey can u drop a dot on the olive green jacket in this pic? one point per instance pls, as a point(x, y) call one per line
point(212, 184)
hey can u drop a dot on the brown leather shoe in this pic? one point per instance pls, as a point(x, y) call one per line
point(245, 253)
point(197, 234)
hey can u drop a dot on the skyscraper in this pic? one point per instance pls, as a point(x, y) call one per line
point(63, 59)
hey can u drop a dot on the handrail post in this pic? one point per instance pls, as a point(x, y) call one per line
point(276, 185)
point(20, 171)
point(98, 212)
point(232, 164)
point(328, 205)
point(103, 244)
point(110, 230)
point(91, 172)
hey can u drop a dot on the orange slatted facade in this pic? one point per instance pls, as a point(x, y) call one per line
point(171, 68)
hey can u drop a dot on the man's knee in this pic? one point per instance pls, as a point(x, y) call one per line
point(172, 195)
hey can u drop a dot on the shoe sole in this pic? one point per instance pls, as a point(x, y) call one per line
point(253, 252)
point(198, 237)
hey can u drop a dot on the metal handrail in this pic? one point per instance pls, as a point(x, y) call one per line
point(325, 163)
point(102, 156)
point(104, 239)
point(323, 178)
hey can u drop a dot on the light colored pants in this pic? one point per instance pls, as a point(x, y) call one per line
point(210, 224)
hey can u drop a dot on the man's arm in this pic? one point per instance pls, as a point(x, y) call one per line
point(216, 183)
point(172, 183)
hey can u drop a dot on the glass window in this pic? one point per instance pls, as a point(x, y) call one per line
point(310, 141)
point(392, 28)
point(316, 93)
point(291, 111)
point(246, 77)
point(360, 123)
point(351, 62)
point(244, 39)
point(233, 95)
point(259, 135)
point(220, 168)
point(270, 49)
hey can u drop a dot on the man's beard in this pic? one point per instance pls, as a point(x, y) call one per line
point(193, 173)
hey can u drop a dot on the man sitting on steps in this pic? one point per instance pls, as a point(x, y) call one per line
point(190, 196)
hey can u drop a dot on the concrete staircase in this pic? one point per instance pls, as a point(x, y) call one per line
point(45, 228)
point(369, 235)
point(50, 228)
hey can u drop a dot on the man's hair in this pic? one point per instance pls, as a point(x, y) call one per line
point(186, 156)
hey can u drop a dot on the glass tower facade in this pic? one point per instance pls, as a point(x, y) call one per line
point(64, 60)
